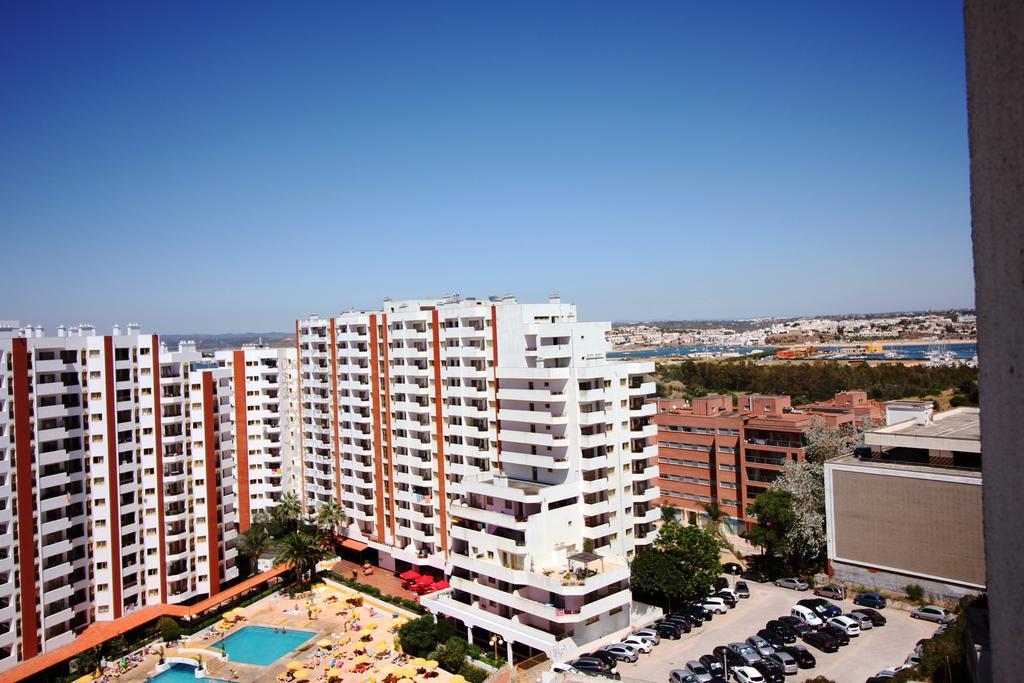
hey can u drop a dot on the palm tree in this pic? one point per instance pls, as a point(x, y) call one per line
point(301, 551)
point(287, 512)
point(254, 543)
point(669, 513)
point(714, 519)
point(329, 518)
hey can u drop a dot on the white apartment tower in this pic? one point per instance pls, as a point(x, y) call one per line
point(114, 455)
point(265, 419)
point(490, 440)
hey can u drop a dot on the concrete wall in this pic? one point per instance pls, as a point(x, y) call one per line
point(892, 582)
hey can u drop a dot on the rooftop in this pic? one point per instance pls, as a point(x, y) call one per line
point(959, 423)
point(903, 466)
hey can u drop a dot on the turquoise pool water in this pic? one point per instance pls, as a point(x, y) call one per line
point(260, 645)
point(179, 673)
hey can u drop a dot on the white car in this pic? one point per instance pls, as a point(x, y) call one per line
point(747, 674)
point(809, 616)
point(648, 634)
point(561, 668)
point(643, 645)
point(716, 605)
point(845, 624)
point(933, 613)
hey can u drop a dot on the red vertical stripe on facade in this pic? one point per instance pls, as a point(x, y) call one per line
point(210, 444)
point(26, 515)
point(334, 413)
point(378, 464)
point(242, 441)
point(439, 417)
point(302, 451)
point(159, 453)
point(113, 484)
point(497, 403)
point(387, 425)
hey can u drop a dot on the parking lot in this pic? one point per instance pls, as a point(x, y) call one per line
point(872, 651)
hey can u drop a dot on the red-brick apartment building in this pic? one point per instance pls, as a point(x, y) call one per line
point(719, 450)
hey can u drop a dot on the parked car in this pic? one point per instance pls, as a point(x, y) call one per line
point(933, 613)
point(822, 641)
point(762, 646)
point(623, 652)
point(873, 600)
point(863, 620)
point(716, 605)
point(645, 646)
point(683, 621)
point(595, 666)
point(804, 659)
point(668, 629)
point(831, 591)
point(560, 668)
point(605, 656)
point(771, 672)
point(714, 666)
point(773, 638)
point(732, 568)
point(692, 614)
point(874, 616)
point(792, 582)
point(822, 607)
point(784, 629)
point(797, 624)
point(728, 597)
point(745, 650)
point(742, 591)
point(747, 674)
point(837, 633)
point(784, 660)
point(681, 676)
point(649, 634)
point(700, 609)
point(720, 583)
point(699, 671)
point(808, 615)
point(732, 659)
point(755, 575)
point(849, 625)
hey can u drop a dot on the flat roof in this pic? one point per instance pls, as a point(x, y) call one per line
point(904, 466)
point(959, 423)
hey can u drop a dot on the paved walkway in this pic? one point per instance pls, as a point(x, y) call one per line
point(381, 579)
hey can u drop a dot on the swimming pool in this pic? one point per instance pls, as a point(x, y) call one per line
point(261, 645)
point(179, 673)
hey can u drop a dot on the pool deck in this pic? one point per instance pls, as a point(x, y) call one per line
point(324, 612)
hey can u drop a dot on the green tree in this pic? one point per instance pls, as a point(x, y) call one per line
point(656, 576)
point(420, 637)
point(254, 542)
point(452, 654)
point(88, 662)
point(169, 629)
point(300, 550)
point(330, 518)
point(669, 512)
point(775, 518)
point(287, 512)
point(696, 554)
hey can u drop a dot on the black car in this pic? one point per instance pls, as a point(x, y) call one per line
point(606, 657)
point(781, 630)
point(741, 589)
point(822, 641)
point(692, 618)
point(837, 633)
point(714, 666)
point(755, 575)
point(731, 658)
point(592, 665)
point(728, 598)
point(876, 618)
point(698, 608)
point(772, 672)
point(821, 607)
point(721, 582)
point(732, 568)
point(668, 629)
point(773, 638)
point(804, 659)
point(797, 624)
point(682, 625)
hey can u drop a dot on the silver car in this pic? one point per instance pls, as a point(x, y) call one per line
point(699, 671)
point(761, 645)
point(621, 651)
point(933, 613)
point(792, 582)
point(749, 654)
point(786, 661)
point(830, 591)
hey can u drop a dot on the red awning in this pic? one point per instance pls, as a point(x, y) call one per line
point(439, 586)
point(410, 575)
point(425, 581)
point(351, 544)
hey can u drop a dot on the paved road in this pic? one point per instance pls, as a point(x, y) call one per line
point(866, 654)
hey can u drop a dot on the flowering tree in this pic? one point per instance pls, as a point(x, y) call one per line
point(825, 443)
point(805, 483)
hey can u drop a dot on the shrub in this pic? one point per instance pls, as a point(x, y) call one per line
point(914, 592)
point(452, 655)
point(819, 679)
point(473, 674)
point(418, 638)
point(169, 629)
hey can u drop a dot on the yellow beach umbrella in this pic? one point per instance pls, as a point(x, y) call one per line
point(323, 642)
point(361, 659)
point(303, 674)
point(294, 666)
point(406, 672)
point(388, 670)
point(231, 614)
point(430, 665)
point(405, 680)
point(457, 678)
point(418, 662)
point(336, 673)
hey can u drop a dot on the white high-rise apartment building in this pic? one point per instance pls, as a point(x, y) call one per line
point(265, 403)
point(494, 442)
point(116, 481)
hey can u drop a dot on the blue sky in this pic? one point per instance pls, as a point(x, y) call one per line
point(228, 168)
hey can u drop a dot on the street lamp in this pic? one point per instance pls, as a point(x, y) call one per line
point(495, 641)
